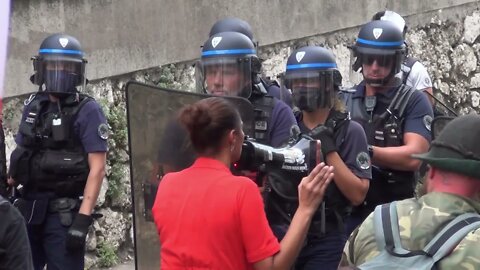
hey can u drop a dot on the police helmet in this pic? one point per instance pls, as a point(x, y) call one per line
point(391, 16)
point(232, 25)
point(456, 151)
point(59, 65)
point(383, 42)
point(312, 76)
point(228, 64)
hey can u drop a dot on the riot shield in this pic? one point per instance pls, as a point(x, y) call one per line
point(159, 144)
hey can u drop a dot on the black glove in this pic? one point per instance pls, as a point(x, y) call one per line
point(325, 134)
point(77, 233)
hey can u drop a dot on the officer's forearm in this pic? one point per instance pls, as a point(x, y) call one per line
point(400, 157)
point(354, 188)
point(397, 158)
point(94, 182)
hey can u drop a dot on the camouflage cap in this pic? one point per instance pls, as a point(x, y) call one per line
point(457, 148)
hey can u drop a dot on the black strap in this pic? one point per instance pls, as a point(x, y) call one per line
point(409, 62)
point(449, 233)
point(400, 101)
point(387, 227)
point(387, 221)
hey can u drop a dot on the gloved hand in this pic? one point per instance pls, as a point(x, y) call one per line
point(325, 134)
point(77, 233)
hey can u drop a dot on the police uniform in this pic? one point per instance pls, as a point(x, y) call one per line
point(273, 120)
point(326, 247)
point(386, 130)
point(59, 128)
point(314, 79)
point(393, 110)
point(51, 205)
point(423, 219)
point(415, 74)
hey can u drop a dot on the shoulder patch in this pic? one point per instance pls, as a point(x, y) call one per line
point(103, 131)
point(427, 81)
point(363, 160)
point(427, 122)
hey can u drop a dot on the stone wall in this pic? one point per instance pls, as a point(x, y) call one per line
point(449, 46)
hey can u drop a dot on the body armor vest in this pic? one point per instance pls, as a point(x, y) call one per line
point(263, 107)
point(282, 200)
point(384, 129)
point(51, 157)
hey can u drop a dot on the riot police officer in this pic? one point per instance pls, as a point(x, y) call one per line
point(314, 80)
point(395, 117)
point(414, 73)
point(229, 66)
point(265, 85)
point(60, 156)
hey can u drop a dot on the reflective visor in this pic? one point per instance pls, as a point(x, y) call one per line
point(62, 76)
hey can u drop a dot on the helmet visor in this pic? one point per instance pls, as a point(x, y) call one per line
point(312, 89)
point(225, 76)
point(62, 76)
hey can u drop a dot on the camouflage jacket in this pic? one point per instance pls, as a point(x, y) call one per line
point(420, 220)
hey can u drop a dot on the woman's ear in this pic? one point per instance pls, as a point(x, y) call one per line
point(232, 139)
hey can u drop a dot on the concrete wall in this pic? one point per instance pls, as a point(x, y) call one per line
point(122, 36)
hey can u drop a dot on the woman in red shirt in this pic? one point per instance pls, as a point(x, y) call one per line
point(208, 218)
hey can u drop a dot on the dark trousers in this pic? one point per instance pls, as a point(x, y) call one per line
point(47, 241)
point(352, 223)
point(322, 252)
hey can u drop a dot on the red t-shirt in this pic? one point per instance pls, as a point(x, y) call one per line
point(208, 218)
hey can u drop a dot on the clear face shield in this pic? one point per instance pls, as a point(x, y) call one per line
point(225, 76)
point(378, 70)
point(311, 90)
point(61, 76)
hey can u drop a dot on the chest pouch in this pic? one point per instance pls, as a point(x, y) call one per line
point(63, 163)
point(60, 128)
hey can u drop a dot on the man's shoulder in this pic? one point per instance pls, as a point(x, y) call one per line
point(88, 105)
point(355, 128)
point(418, 98)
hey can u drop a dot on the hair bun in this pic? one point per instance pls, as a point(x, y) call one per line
point(195, 117)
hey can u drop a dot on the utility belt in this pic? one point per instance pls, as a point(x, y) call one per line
point(35, 211)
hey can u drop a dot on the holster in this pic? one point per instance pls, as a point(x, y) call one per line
point(65, 208)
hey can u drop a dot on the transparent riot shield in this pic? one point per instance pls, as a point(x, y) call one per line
point(158, 144)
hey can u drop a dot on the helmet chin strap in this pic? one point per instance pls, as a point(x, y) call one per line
point(379, 82)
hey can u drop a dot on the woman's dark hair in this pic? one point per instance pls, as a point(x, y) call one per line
point(207, 122)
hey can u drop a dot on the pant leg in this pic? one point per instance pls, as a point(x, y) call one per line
point(322, 253)
point(58, 258)
point(35, 237)
point(351, 223)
